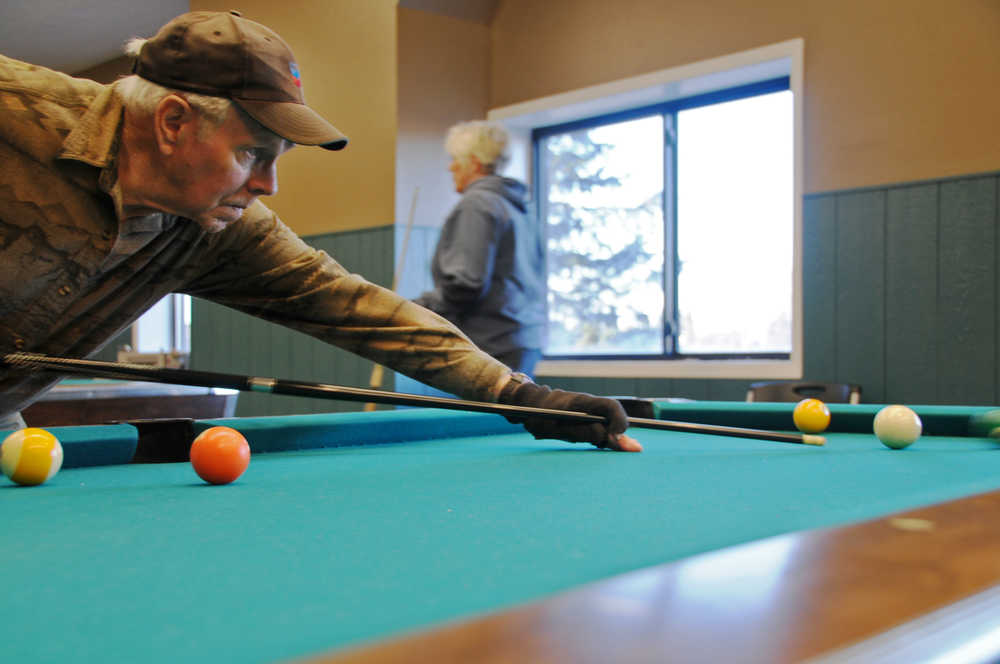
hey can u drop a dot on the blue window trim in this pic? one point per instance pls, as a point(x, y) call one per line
point(668, 109)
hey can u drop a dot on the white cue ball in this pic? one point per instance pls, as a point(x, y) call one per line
point(897, 426)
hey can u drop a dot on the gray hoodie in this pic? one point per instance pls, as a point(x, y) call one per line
point(489, 270)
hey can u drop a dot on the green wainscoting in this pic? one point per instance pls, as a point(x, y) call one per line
point(901, 297)
point(900, 294)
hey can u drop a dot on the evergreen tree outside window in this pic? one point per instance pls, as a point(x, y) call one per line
point(604, 216)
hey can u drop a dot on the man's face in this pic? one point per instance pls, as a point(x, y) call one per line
point(218, 172)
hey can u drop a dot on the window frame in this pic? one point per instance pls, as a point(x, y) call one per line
point(668, 111)
point(678, 86)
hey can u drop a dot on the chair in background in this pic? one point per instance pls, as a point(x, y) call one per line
point(796, 390)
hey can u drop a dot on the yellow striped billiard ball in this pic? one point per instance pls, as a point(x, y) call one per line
point(811, 416)
point(30, 456)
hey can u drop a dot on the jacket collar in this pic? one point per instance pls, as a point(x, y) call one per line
point(94, 140)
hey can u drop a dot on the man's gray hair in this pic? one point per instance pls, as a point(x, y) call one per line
point(486, 141)
point(141, 96)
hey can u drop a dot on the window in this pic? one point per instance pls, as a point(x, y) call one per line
point(672, 227)
point(162, 335)
point(709, 277)
point(734, 227)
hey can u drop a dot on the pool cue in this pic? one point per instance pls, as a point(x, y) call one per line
point(375, 382)
point(124, 370)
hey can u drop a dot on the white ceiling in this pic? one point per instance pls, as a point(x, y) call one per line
point(73, 35)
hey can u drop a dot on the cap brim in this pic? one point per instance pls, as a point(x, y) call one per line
point(295, 122)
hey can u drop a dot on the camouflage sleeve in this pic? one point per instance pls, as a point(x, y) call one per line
point(259, 266)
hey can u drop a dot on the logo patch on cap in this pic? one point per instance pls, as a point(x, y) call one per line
point(294, 68)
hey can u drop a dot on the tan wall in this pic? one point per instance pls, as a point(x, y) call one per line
point(443, 79)
point(895, 90)
point(346, 52)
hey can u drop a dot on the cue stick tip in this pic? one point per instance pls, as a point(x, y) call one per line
point(813, 440)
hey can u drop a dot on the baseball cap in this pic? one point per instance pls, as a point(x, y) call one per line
point(222, 54)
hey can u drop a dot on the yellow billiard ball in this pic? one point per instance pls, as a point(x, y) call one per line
point(31, 456)
point(811, 416)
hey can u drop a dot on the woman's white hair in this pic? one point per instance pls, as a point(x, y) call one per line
point(486, 141)
point(141, 96)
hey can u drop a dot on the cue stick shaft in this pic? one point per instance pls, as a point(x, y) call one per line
point(120, 370)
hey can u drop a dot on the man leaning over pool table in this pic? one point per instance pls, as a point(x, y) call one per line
point(112, 196)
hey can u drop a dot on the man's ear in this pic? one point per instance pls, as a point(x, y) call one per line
point(173, 119)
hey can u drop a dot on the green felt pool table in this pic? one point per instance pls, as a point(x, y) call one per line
point(433, 535)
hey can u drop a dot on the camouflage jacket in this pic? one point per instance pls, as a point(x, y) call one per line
point(63, 292)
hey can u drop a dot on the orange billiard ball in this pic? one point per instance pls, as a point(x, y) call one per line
point(811, 416)
point(220, 455)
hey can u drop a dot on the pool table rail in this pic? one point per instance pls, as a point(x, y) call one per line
point(167, 440)
point(937, 420)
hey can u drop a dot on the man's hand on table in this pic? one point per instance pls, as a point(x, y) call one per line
point(520, 391)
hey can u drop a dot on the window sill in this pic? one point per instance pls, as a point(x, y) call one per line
point(745, 369)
